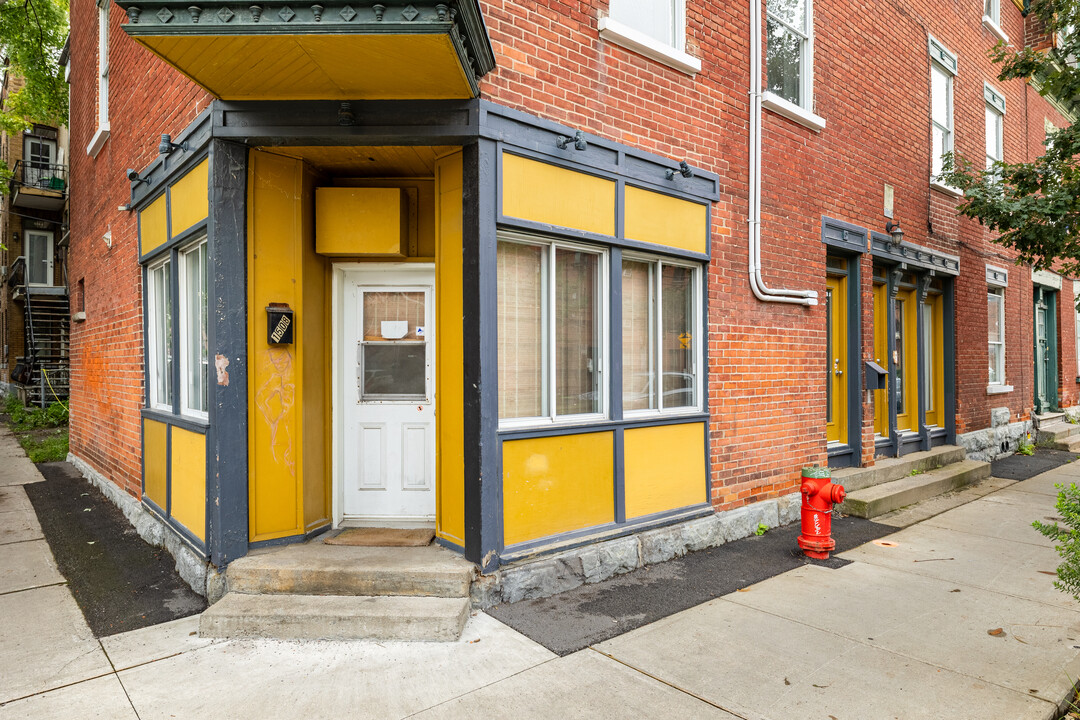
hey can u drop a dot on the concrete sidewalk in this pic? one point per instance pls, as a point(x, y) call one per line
point(901, 632)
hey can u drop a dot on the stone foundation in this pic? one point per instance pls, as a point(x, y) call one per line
point(999, 440)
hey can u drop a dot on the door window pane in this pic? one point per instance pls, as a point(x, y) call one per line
point(522, 330)
point(577, 336)
point(394, 345)
point(677, 293)
point(828, 355)
point(639, 339)
point(38, 258)
point(898, 353)
point(928, 355)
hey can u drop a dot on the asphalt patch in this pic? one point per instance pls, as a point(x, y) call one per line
point(1022, 467)
point(589, 614)
point(120, 582)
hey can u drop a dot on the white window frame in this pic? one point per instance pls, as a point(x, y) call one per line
point(991, 19)
point(944, 62)
point(549, 355)
point(657, 264)
point(615, 28)
point(803, 111)
point(995, 103)
point(157, 364)
point(997, 355)
point(102, 133)
point(185, 358)
point(49, 257)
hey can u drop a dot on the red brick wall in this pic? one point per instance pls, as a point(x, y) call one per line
point(147, 98)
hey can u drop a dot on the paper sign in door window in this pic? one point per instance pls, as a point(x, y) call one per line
point(395, 329)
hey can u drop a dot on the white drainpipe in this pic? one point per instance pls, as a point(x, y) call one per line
point(757, 283)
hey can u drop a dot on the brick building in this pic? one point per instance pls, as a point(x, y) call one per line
point(514, 269)
point(33, 230)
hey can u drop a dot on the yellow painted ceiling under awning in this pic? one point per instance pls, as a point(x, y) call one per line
point(318, 67)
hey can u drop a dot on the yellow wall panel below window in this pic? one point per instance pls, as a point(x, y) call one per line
point(155, 462)
point(665, 468)
point(552, 195)
point(557, 484)
point(189, 200)
point(153, 230)
point(664, 220)
point(189, 480)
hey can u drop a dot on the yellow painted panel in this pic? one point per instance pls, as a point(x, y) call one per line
point(557, 484)
point(316, 66)
point(189, 480)
point(275, 392)
point(552, 195)
point(189, 200)
point(315, 344)
point(665, 468)
point(155, 462)
point(153, 229)
point(450, 400)
point(664, 220)
point(352, 221)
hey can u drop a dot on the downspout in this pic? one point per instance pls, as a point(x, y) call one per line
point(757, 283)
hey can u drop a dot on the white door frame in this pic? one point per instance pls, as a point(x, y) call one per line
point(339, 389)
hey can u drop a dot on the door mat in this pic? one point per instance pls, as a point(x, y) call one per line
point(383, 537)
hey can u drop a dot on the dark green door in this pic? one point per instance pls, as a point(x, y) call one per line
point(1046, 394)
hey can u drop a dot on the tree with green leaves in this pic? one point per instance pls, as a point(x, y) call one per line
point(1034, 206)
point(32, 37)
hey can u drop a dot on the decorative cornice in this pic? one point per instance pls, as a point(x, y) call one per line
point(997, 277)
point(881, 246)
point(461, 19)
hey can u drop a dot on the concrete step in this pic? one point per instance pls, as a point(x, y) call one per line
point(889, 469)
point(329, 617)
point(318, 569)
point(1057, 435)
point(879, 499)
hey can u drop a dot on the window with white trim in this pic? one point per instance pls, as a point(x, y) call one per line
point(995, 304)
point(552, 326)
point(654, 28)
point(942, 70)
point(660, 344)
point(159, 334)
point(995, 126)
point(102, 132)
point(992, 11)
point(194, 362)
point(1076, 325)
point(789, 58)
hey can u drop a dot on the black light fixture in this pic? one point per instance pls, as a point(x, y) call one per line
point(133, 176)
point(685, 170)
point(167, 146)
point(578, 140)
point(896, 233)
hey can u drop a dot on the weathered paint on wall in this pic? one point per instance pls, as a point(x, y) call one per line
point(449, 388)
point(665, 468)
point(557, 484)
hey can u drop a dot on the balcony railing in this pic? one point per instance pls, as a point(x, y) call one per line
point(40, 176)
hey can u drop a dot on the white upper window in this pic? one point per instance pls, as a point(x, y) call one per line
point(942, 69)
point(654, 28)
point(995, 126)
point(789, 49)
point(102, 132)
point(992, 19)
point(995, 305)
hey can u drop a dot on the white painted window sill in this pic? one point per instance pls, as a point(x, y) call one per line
point(98, 141)
point(631, 39)
point(993, 27)
point(998, 389)
point(947, 189)
point(793, 112)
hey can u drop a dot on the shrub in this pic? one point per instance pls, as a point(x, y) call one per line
point(1067, 539)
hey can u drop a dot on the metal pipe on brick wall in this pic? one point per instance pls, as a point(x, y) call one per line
point(757, 283)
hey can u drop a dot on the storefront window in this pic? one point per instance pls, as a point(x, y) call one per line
point(159, 330)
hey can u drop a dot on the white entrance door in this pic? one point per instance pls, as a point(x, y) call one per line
point(388, 395)
point(39, 257)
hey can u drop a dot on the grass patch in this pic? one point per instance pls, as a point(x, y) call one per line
point(49, 448)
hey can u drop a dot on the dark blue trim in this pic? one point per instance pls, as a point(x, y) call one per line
point(614, 360)
point(168, 472)
point(610, 531)
point(449, 545)
point(557, 231)
point(619, 474)
point(166, 168)
point(292, 539)
point(180, 421)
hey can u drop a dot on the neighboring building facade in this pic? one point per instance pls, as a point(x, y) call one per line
point(34, 307)
point(511, 268)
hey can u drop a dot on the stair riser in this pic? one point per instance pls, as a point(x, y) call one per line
point(880, 506)
point(333, 627)
point(1058, 437)
point(879, 475)
point(345, 583)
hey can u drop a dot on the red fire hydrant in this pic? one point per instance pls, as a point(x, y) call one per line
point(818, 496)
